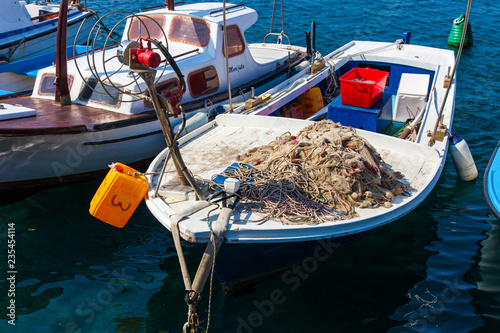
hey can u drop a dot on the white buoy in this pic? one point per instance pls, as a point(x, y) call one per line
point(462, 159)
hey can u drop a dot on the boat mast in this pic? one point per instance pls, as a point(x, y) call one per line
point(226, 56)
point(61, 80)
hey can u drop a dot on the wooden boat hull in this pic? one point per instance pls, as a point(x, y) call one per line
point(64, 143)
point(34, 162)
point(37, 154)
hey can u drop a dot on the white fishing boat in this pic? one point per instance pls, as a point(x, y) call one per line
point(408, 122)
point(29, 29)
point(111, 115)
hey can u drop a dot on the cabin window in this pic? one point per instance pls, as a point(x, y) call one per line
point(143, 26)
point(235, 42)
point(203, 82)
point(173, 85)
point(45, 15)
point(95, 92)
point(189, 30)
point(47, 86)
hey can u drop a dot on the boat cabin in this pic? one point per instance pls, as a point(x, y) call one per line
point(194, 37)
point(21, 15)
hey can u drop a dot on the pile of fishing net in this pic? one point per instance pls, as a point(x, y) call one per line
point(318, 175)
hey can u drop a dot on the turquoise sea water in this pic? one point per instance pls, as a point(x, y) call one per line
point(435, 270)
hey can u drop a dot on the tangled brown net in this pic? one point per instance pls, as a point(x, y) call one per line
point(319, 175)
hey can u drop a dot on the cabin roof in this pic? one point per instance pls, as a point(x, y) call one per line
point(13, 16)
point(242, 15)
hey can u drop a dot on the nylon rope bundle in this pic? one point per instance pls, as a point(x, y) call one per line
point(319, 175)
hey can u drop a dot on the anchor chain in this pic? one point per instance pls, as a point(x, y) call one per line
point(193, 321)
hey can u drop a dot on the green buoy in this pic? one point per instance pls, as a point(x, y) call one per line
point(457, 30)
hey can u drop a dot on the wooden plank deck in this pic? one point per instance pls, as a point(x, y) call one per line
point(53, 118)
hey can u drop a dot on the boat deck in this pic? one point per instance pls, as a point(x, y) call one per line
point(53, 118)
point(228, 137)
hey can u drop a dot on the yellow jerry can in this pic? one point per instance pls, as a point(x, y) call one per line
point(118, 195)
point(311, 101)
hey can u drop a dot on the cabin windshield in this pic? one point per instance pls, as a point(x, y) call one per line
point(95, 92)
point(151, 25)
point(235, 42)
point(189, 30)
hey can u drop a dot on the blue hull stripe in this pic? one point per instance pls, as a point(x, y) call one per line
point(49, 23)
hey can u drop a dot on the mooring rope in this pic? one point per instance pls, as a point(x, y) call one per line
point(213, 239)
point(319, 175)
point(439, 120)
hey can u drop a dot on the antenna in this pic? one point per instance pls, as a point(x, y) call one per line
point(313, 36)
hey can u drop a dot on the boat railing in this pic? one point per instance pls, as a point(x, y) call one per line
point(282, 33)
point(161, 6)
point(227, 9)
point(186, 53)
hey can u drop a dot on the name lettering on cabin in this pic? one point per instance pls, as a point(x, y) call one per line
point(236, 69)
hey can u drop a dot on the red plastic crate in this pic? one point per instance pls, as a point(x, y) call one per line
point(362, 87)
